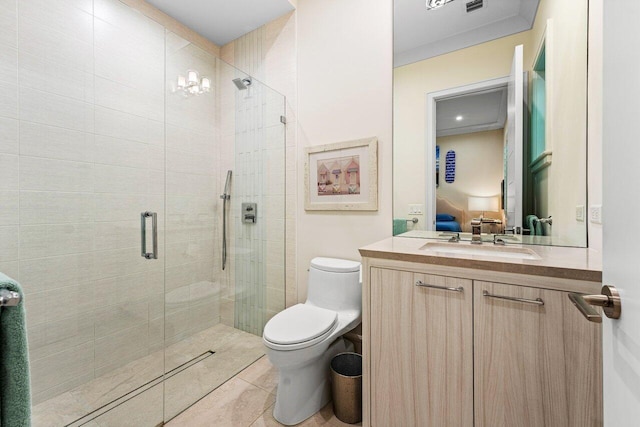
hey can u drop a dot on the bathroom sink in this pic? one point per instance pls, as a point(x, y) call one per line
point(484, 250)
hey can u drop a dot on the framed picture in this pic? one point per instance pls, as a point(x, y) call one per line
point(342, 176)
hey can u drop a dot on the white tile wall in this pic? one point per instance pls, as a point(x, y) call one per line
point(8, 136)
point(8, 63)
point(8, 23)
point(39, 106)
point(39, 140)
point(55, 175)
point(10, 248)
point(9, 172)
point(8, 100)
point(59, 207)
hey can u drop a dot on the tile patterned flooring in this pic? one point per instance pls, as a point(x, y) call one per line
point(234, 351)
point(247, 400)
point(245, 379)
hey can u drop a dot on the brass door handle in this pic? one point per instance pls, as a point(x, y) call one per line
point(609, 300)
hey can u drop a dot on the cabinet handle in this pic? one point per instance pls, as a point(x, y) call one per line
point(421, 284)
point(537, 301)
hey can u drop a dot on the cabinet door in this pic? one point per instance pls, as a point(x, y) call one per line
point(535, 365)
point(421, 350)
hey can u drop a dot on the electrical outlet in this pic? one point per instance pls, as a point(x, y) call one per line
point(415, 209)
point(580, 213)
point(595, 214)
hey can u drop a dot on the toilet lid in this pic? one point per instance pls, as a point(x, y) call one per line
point(299, 323)
point(334, 265)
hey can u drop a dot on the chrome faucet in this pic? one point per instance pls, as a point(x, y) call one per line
point(476, 231)
point(455, 238)
point(498, 240)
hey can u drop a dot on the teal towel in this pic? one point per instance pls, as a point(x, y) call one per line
point(533, 222)
point(399, 226)
point(15, 394)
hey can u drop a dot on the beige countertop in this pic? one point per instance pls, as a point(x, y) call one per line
point(555, 261)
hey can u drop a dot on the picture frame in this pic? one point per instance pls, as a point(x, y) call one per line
point(342, 176)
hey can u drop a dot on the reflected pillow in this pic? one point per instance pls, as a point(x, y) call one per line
point(445, 217)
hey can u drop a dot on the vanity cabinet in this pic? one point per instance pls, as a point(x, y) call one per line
point(537, 361)
point(422, 350)
point(466, 351)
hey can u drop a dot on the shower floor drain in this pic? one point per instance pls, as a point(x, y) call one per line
point(139, 390)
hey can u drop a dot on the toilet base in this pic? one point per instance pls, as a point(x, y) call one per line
point(304, 389)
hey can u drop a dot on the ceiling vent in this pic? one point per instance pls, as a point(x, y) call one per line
point(474, 5)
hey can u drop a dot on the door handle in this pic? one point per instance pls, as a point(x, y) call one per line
point(609, 300)
point(154, 236)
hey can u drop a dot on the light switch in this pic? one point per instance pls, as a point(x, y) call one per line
point(580, 213)
point(415, 209)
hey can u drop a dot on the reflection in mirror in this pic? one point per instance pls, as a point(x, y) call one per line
point(490, 119)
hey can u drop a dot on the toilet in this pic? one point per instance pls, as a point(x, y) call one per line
point(301, 340)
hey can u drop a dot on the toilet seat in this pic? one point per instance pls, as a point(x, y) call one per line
point(299, 326)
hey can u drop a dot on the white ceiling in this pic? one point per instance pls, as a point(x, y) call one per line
point(480, 111)
point(222, 21)
point(420, 33)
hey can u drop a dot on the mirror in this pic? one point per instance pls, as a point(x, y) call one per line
point(490, 119)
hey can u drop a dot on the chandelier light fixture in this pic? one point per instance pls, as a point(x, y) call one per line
point(435, 4)
point(193, 84)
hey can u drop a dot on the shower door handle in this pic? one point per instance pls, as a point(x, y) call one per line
point(154, 236)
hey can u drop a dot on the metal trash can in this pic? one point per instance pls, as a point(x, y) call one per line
point(346, 387)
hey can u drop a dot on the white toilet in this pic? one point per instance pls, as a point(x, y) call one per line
point(302, 340)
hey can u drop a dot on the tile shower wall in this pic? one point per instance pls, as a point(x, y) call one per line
point(82, 153)
point(269, 54)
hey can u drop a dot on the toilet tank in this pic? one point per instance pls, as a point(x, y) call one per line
point(335, 284)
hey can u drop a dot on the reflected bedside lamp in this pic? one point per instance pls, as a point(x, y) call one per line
point(483, 204)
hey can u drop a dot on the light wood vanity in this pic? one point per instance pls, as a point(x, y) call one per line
point(462, 340)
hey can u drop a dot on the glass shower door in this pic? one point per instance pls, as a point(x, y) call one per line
point(88, 159)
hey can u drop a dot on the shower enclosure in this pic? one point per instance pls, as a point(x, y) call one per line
point(116, 137)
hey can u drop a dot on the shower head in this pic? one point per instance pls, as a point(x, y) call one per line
point(242, 84)
point(227, 195)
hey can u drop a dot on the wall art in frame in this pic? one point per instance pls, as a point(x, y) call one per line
point(342, 176)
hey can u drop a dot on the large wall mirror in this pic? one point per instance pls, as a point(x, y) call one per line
point(490, 119)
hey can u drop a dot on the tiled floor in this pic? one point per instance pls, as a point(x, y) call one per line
point(234, 350)
point(244, 398)
point(246, 401)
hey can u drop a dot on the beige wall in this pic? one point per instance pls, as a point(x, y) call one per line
point(478, 166)
point(413, 82)
point(345, 93)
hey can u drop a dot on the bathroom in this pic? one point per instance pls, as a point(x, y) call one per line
point(115, 108)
